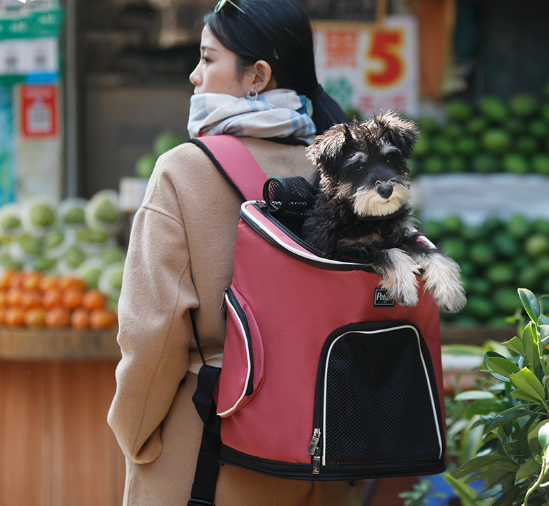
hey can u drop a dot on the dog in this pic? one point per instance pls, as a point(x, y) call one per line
point(362, 214)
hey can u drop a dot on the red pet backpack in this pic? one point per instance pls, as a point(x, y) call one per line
point(323, 377)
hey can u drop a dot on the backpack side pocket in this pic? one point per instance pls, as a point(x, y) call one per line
point(242, 373)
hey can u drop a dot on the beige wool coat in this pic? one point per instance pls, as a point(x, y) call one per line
point(180, 257)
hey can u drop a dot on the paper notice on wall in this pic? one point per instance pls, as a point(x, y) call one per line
point(39, 111)
point(370, 67)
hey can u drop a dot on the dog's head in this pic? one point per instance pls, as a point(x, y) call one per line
point(364, 163)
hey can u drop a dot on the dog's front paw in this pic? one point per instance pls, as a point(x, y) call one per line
point(401, 281)
point(441, 276)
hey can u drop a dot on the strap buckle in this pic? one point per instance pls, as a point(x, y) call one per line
point(199, 502)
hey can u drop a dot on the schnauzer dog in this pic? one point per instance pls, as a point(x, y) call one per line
point(362, 214)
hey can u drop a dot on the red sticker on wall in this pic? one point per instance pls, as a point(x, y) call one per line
point(39, 110)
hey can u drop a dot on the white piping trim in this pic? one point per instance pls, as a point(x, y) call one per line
point(424, 369)
point(286, 246)
point(243, 335)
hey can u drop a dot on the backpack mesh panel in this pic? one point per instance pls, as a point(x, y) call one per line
point(378, 405)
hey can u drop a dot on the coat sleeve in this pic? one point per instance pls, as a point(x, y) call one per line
point(154, 320)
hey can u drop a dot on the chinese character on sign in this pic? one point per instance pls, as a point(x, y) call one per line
point(341, 48)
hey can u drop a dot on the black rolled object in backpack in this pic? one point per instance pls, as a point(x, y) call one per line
point(290, 197)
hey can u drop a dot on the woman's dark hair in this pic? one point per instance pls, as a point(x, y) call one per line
point(279, 32)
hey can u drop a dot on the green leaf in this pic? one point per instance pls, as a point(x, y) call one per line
point(528, 468)
point(472, 395)
point(483, 407)
point(532, 437)
point(530, 303)
point(515, 345)
point(529, 341)
point(502, 366)
point(476, 464)
point(510, 496)
point(519, 394)
point(503, 418)
point(526, 381)
point(466, 494)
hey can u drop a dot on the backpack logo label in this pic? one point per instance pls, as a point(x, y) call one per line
point(382, 298)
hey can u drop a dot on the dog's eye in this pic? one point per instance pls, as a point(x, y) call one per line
point(359, 167)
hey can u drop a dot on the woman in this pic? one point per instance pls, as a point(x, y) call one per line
point(181, 252)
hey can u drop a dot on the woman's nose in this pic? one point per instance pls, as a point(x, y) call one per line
point(194, 77)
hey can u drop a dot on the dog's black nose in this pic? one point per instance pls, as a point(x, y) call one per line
point(385, 191)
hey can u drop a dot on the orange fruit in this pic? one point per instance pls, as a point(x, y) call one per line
point(80, 318)
point(15, 316)
point(31, 298)
point(16, 280)
point(72, 282)
point(14, 297)
point(5, 279)
point(31, 281)
point(58, 317)
point(52, 297)
point(72, 298)
point(94, 299)
point(3, 297)
point(2, 315)
point(35, 317)
point(101, 319)
point(48, 282)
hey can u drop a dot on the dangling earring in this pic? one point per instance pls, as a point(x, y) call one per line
point(252, 94)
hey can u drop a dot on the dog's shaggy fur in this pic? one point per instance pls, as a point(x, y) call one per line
point(363, 216)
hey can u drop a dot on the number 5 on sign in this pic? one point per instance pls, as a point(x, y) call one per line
point(386, 53)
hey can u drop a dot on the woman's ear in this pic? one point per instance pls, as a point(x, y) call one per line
point(263, 78)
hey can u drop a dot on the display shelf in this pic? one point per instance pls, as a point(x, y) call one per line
point(58, 345)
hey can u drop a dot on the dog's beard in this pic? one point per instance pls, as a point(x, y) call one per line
point(368, 202)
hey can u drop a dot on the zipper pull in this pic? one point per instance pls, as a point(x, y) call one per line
point(316, 461)
point(223, 300)
point(314, 442)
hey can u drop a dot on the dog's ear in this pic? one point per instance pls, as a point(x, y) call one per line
point(327, 151)
point(402, 133)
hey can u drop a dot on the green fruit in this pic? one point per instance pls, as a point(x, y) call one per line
point(74, 257)
point(491, 224)
point(472, 233)
point(166, 141)
point(478, 286)
point(497, 141)
point(30, 245)
point(451, 224)
point(479, 307)
point(434, 164)
point(112, 255)
point(482, 253)
point(442, 146)
point(540, 163)
point(459, 110)
point(516, 163)
point(457, 163)
point(518, 226)
point(45, 264)
point(506, 300)
point(53, 239)
point(493, 108)
point(540, 225)
point(505, 245)
point(145, 165)
point(432, 230)
point(468, 145)
point(452, 131)
point(523, 105)
point(500, 273)
point(107, 212)
point(536, 245)
point(10, 222)
point(42, 215)
point(91, 277)
point(422, 146)
point(477, 125)
point(75, 216)
point(530, 278)
point(485, 163)
point(455, 248)
point(526, 144)
point(539, 128)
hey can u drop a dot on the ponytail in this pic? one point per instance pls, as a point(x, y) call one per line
point(326, 111)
